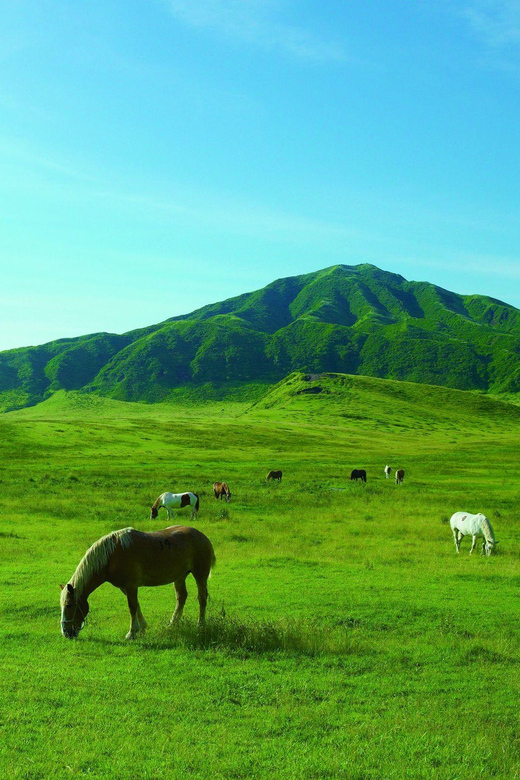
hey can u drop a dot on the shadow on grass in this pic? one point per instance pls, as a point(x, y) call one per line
point(255, 637)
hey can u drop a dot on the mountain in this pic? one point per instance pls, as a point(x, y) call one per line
point(346, 319)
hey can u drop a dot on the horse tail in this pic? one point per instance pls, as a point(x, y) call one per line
point(212, 559)
point(197, 503)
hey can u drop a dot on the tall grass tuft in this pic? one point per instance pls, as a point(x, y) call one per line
point(237, 636)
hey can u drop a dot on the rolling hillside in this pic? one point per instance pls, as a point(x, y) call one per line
point(346, 319)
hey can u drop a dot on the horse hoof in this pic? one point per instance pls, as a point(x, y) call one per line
point(130, 635)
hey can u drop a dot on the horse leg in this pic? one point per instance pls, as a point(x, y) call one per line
point(181, 595)
point(143, 625)
point(473, 543)
point(456, 539)
point(136, 616)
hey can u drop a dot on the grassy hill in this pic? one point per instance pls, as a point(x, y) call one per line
point(348, 319)
point(386, 404)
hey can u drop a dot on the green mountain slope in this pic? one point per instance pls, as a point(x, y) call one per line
point(347, 319)
point(384, 404)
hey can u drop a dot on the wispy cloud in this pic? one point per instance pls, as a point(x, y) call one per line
point(33, 159)
point(257, 22)
point(495, 22)
point(42, 173)
point(474, 264)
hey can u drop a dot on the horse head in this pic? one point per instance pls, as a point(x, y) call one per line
point(153, 512)
point(488, 546)
point(74, 611)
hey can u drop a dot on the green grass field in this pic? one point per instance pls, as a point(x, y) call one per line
point(345, 637)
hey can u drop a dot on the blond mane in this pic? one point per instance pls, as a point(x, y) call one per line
point(97, 557)
point(487, 530)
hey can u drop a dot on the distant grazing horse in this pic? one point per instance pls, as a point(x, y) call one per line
point(274, 475)
point(172, 501)
point(388, 471)
point(129, 559)
point(399, 476)
point(359, 474)
point(464, 524)
point(221, 489)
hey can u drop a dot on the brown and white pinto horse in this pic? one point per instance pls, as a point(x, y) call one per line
point(221, 489)
point(399, 476)
point(274, 475)
point(129, 559)
point(172, 501)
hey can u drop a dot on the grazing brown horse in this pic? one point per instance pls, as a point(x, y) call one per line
point(129, 559)
point(359, 474)
point(221, 489)
point(399, 476)
point(274, 475)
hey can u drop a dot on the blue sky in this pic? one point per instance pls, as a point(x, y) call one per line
point(158, 155)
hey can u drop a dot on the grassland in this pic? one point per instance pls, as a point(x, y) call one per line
point(345, 639)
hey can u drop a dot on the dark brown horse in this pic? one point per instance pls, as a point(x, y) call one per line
point(129, 559)
point(221, 489)
point(359, 474)
point(274, 475)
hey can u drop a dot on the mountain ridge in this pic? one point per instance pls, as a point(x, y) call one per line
point(347, 319)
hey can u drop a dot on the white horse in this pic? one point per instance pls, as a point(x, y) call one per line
point(172, 501)
point(464, 524)
point(388, 471)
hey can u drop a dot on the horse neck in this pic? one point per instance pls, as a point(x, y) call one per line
point(92, 570)
point(85, 586)
point(488, 531)
point(158, 503)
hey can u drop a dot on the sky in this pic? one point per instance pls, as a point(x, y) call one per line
point(160, 155)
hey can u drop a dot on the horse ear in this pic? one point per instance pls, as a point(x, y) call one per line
point(62, 586)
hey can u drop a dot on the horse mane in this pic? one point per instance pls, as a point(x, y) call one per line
point(487, 529)
point(98, 555)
